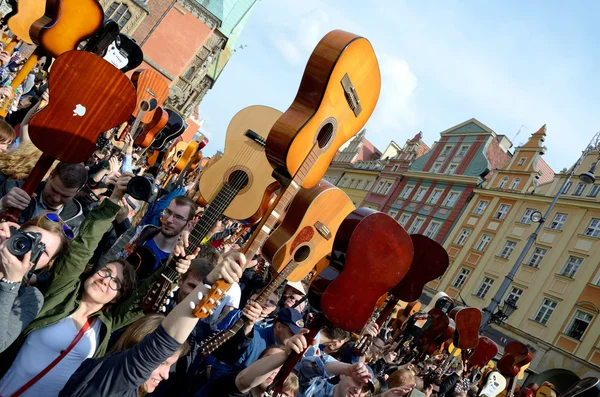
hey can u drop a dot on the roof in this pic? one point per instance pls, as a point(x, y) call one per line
point(215, 7)
point(547, 174)
point(458, 129)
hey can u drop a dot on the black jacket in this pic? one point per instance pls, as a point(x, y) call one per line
point(72, 213)
point(121, 374)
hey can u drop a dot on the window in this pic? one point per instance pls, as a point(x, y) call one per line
point(484, 287)
point(432, 229)
point(379, 187)
point(481, 206)
point(545, 311)
point(451, 169)
point(118, 13)
point(515, 293)
point(420, 194)
point(434, 197)
point(451, 199)
point(537, 256)
point(515, 183)
point(416, 226)
point(462, 237)
point(502, 211)
point(343, 182)
point(580, 322)
point(393, 213)
point(508, 249)
point(407, 191)
point(484, 241)
point(436, 167)
point(522, 160)
point(593, 229)
point(404, 219)
point(579, 189)
point(189, 74)
point(395, 168)
point(369, 185)
point(459, 281)
point(386, 188)
point(567, 188)
point(558, 221)
point(446, 151)
point(573, 264)
point(526, 218)
point(463, 150)
point(594, 191)
point(503, 183)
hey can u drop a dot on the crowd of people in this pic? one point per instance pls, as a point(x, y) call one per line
point(71, 308)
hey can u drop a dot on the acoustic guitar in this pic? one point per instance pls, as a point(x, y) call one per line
point(312, 123)
point(582, 386)
point(158, 122)
point(303, 238)
point(485, 351)
point(89, 96)
point(516, 355)
point(150, 85)
point(27, 13)
point(337, 95)
point(174, 129)
point(241, 182)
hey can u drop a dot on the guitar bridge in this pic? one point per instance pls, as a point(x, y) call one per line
point(351, 95)
point(256, 138)
point(149, 91)
point(323, 230)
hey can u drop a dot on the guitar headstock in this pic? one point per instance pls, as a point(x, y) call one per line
point(159, 296)
point(205, 307)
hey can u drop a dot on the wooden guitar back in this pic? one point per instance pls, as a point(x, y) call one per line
point(243, 158)
point(468, 321)
point(341, 71)
point(158, 122)
point(150, 85)
point(307, 231)
point(28, 12)
point(65, 24)
point(89, 96)
point(516, 355)
point(486, 350)
point(187, 156)
point(374, 245)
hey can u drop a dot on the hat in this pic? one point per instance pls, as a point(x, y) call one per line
point(297, 285)
point(292, 318)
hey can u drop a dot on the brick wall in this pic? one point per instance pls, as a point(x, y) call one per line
point(157, 9)
point(496, 156)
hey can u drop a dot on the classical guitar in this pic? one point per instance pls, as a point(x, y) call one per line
point(241, 182)
point(516, 355)
point(174, 129)
point(494, 385)
point(158, 122)
point(338, 92)
point(403, 316)
point(312, 130)
point(133, 124)
point(124, 53)
point(63, 26)
point(89, 96)
point(27, 13)
point(303, 238)
point(150, 85)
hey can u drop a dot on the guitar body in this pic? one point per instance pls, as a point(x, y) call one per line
point(124, 53)
point(485, 351)
point(403, 316)
point(545, 391)
point(338, 93)
point(186, 157)
point(439, 297)
point(158, 122)
point(437, 328)
point(100, 42)
point(582, 386)
point(307, 231)
point(28, 12)
point(243, 166)
point(468, 321)
point(65, 24)
point(516, 355)
point(371, 244)
point(494, 385)
point(150, 85)
point(173, 130)
point(89, 96)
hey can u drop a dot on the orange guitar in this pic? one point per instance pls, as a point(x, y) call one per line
point(158, 122)
point(28, 12)
point(150, 85)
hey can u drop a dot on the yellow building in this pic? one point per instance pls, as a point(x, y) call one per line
point(358, 179)
point(557, 288)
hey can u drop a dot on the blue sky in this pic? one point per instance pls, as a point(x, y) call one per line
point(507, 63)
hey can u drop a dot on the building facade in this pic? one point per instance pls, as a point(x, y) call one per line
point(356, 149)
point(557, 288)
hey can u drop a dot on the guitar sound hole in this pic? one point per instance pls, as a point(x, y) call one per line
point(325, 135)
point(301, 254)
point(238, 179)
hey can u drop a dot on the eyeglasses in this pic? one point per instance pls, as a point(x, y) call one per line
point(52, 217)
point(114, 283)
point(167, 213)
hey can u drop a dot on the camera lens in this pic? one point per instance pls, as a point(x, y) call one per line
point(140, 188)
point(19, 245)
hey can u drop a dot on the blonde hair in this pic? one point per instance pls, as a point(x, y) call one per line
point(18, 163)
point(7, 133)
point(401, 377)
point(291, 384)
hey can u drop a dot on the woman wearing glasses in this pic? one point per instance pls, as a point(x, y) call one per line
point(80, 312)
point(20, 302)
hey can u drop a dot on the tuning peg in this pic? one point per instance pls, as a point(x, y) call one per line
point(171, 294)
point(167, 301)
point(163, 309)
point(192, 305)
point(210, 312)
point(175, 288)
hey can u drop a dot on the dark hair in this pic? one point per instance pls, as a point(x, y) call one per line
point(71, 175)
point(186, 201)
point(128, 284)
point(199, 268)
point(210, 253)
point(7, 133)
point(336, 333)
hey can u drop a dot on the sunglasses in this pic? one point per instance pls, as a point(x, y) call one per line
point(52, 217)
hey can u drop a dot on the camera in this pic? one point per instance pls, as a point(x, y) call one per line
point(143, 188)
point(21, 242)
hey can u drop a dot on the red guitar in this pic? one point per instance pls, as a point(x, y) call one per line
point(516, 355)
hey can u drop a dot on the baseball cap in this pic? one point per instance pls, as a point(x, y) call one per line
point(292, 318)
point(297, 285)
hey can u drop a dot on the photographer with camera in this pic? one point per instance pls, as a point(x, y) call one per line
point(35, 245)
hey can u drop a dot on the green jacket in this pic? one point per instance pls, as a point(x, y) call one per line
point(64, 292)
